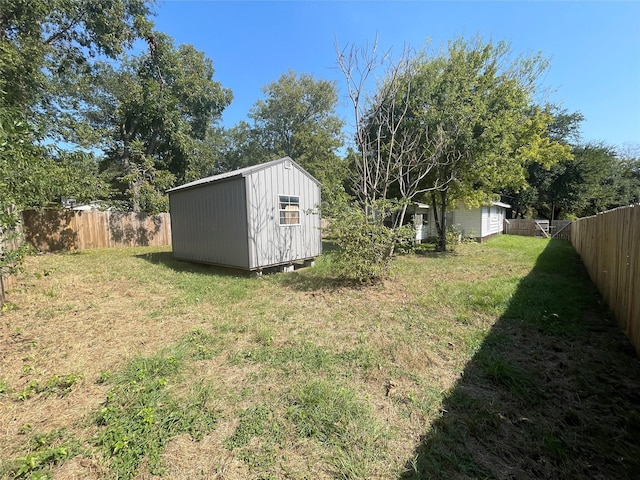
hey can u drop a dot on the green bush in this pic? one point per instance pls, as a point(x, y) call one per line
point(364, 243)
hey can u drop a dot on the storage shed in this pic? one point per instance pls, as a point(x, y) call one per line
point(479, 222)
point(257, 217)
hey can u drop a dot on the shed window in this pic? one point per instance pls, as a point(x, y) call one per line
point(289, 210)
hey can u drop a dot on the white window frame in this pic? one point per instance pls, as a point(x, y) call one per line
point(288, 201)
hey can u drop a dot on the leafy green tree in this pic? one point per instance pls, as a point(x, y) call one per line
point(32, 176)
point(594, 180)
point(564, 129)
point(296, 118)
point(48, 43)
point(241, 147)
point(35, 176)
point(15, 148)
point(47, 48)
point(629, 168)
point(156, 113)
point(204, 158)
point(481, 102)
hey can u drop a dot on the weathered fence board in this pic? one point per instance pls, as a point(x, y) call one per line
point(609, 245)
point(54, 230)
point(560, 229)
point(526, 227)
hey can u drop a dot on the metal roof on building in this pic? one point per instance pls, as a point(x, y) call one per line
point(500, 204)
point(241, 172)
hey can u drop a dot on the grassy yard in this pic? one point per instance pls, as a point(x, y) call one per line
point(497, 361)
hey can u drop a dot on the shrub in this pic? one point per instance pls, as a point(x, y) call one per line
point(364, 244)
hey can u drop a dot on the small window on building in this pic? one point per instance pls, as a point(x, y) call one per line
point(289, 210)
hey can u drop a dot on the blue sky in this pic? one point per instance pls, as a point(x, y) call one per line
point(594, 47)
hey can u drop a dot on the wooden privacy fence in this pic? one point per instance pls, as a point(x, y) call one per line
point(538, 228)
point(526, 227)
point(609, 244)
point(54, 230)
point(560, 229)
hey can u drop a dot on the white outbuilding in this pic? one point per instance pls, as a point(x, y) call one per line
point(481, 222)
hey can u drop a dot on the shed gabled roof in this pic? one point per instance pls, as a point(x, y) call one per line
point(242, 172)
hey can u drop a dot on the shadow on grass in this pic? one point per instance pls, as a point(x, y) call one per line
point(319, 277)
point(168, 260)
point(552, 393)
point(316, 281)
point(323, 277)
point(429, 250)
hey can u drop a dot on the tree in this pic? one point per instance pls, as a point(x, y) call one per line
point(390, 162)
point(296, 118)
point(377, 119)
point(156, 113)
point(47, 48)
point(34, 176)
point(629, 157)
point(396, 153)
point(564, 129)
point(241, 148)
point(47, 43)
point(594, 180)
point(482, 104)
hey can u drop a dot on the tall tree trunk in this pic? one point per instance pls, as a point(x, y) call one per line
point(440, 216)
point(134, 183)
point(398, 223)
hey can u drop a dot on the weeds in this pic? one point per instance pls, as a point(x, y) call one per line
point(253, 422)
point(203, 346)
point(56, 385)
point(309, 357)
point(335, 416)
point(140, 415)
point(46, 451)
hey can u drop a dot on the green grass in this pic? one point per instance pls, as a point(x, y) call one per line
point(140, 414)
point(497, 360)
point(338, 418)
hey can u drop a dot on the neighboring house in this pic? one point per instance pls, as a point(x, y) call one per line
point(89, 207)
point(480, 223)
point(253, 218)
point(71, 204)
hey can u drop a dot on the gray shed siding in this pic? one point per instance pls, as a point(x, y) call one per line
point(209, 223)
point(269, 242)
point(233, 219)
